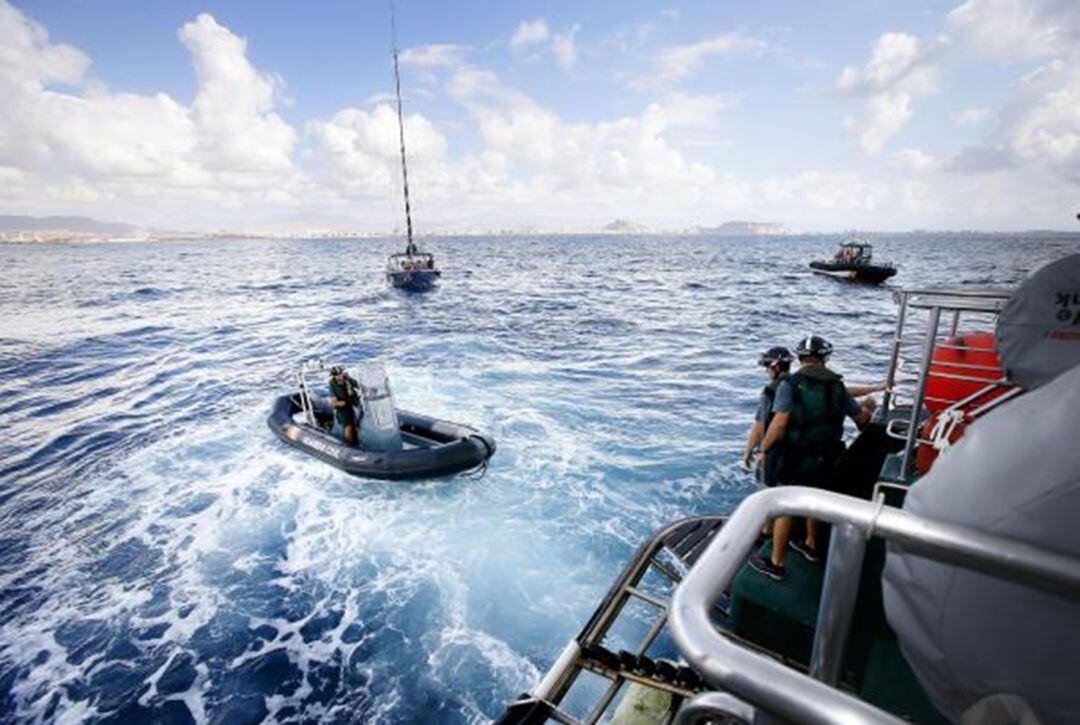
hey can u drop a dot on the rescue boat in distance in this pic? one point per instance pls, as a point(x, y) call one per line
point(854, 262)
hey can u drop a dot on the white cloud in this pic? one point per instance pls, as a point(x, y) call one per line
point(901, 68)
point(70, 137)
point(237, 129)
point(439, 55)
point(671, 14)
point(917, 161)
point(534, 34)
point(1016, 28)
point(70, 144)
point(562, 46)
point(677, 62)
point(822, 191)
point(1039, 127)
point(530, 161)
point(970, 116)
point(358, 150)
point(529, 33)
point(29, 58)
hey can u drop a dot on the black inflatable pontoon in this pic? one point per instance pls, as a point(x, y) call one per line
point(433, 447)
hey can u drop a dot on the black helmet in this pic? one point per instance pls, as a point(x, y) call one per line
point(337, 370)
point(774, 356)
point(813, 345)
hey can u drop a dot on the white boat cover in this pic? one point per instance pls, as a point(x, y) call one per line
point(1038, 332)
point(379, 429)
point(1016, 473)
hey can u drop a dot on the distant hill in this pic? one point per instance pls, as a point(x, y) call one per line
point(625, 226)
point(745, 229)
point(64, 223)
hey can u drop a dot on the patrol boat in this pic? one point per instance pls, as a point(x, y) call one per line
point(854, 262)
point(411, 270)
point(394, 444)
point(689, 633)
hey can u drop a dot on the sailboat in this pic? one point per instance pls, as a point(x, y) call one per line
point(413, 269)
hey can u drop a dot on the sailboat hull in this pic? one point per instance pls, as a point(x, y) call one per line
point(419, 280)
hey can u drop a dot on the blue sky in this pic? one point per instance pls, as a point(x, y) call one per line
point(819, 116)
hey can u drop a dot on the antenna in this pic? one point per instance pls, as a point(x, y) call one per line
point(410, 248)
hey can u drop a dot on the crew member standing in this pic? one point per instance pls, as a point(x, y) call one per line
point(777, 363)
point(344, 397)
point(808, 428)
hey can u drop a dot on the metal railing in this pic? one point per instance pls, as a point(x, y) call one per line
point(768, 685)
point(712, 705)
point(908, 386)
point(307, 369)
point(561, 676)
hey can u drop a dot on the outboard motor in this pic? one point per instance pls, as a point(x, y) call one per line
point(379, 428)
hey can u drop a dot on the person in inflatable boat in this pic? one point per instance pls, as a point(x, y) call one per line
point(345, 399)
point(808, 427)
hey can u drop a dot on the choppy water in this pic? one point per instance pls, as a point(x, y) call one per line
point(163, 555)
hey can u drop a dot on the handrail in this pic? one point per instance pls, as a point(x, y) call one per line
point(708, 706)
point(769, 685)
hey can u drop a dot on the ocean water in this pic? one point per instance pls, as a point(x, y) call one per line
point(164, 556)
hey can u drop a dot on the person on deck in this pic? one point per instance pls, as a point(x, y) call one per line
point(344, 398)
point(777, 363)
point(808, 426)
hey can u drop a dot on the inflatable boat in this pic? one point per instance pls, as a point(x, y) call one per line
point(394, 444)
point(854, 263)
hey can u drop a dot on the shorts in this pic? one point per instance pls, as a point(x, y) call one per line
point(768, 470)
point(815, 469)
point(345, 416)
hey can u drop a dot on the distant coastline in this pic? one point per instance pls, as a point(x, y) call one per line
point(74, 229)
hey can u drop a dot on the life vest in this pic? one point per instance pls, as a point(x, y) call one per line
point(813, 440)
point(817, 412)
point(349, 390)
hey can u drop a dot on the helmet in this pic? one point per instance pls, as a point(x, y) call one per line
point(337, 370)
point(813, 345)
point(774, 356)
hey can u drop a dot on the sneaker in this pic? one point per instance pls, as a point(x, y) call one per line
point(766, 567)
point(808, 553)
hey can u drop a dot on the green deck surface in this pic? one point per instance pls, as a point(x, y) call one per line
point(780, 617)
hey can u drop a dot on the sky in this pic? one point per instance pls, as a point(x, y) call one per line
point(823, 116)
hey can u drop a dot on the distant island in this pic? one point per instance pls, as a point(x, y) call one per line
point(745, 229)
point(18, 228)
point(625, 226)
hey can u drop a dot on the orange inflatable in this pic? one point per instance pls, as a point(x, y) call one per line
point(977, 360)
point(958, 368)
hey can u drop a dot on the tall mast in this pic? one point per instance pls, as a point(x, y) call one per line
point(410, 248)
